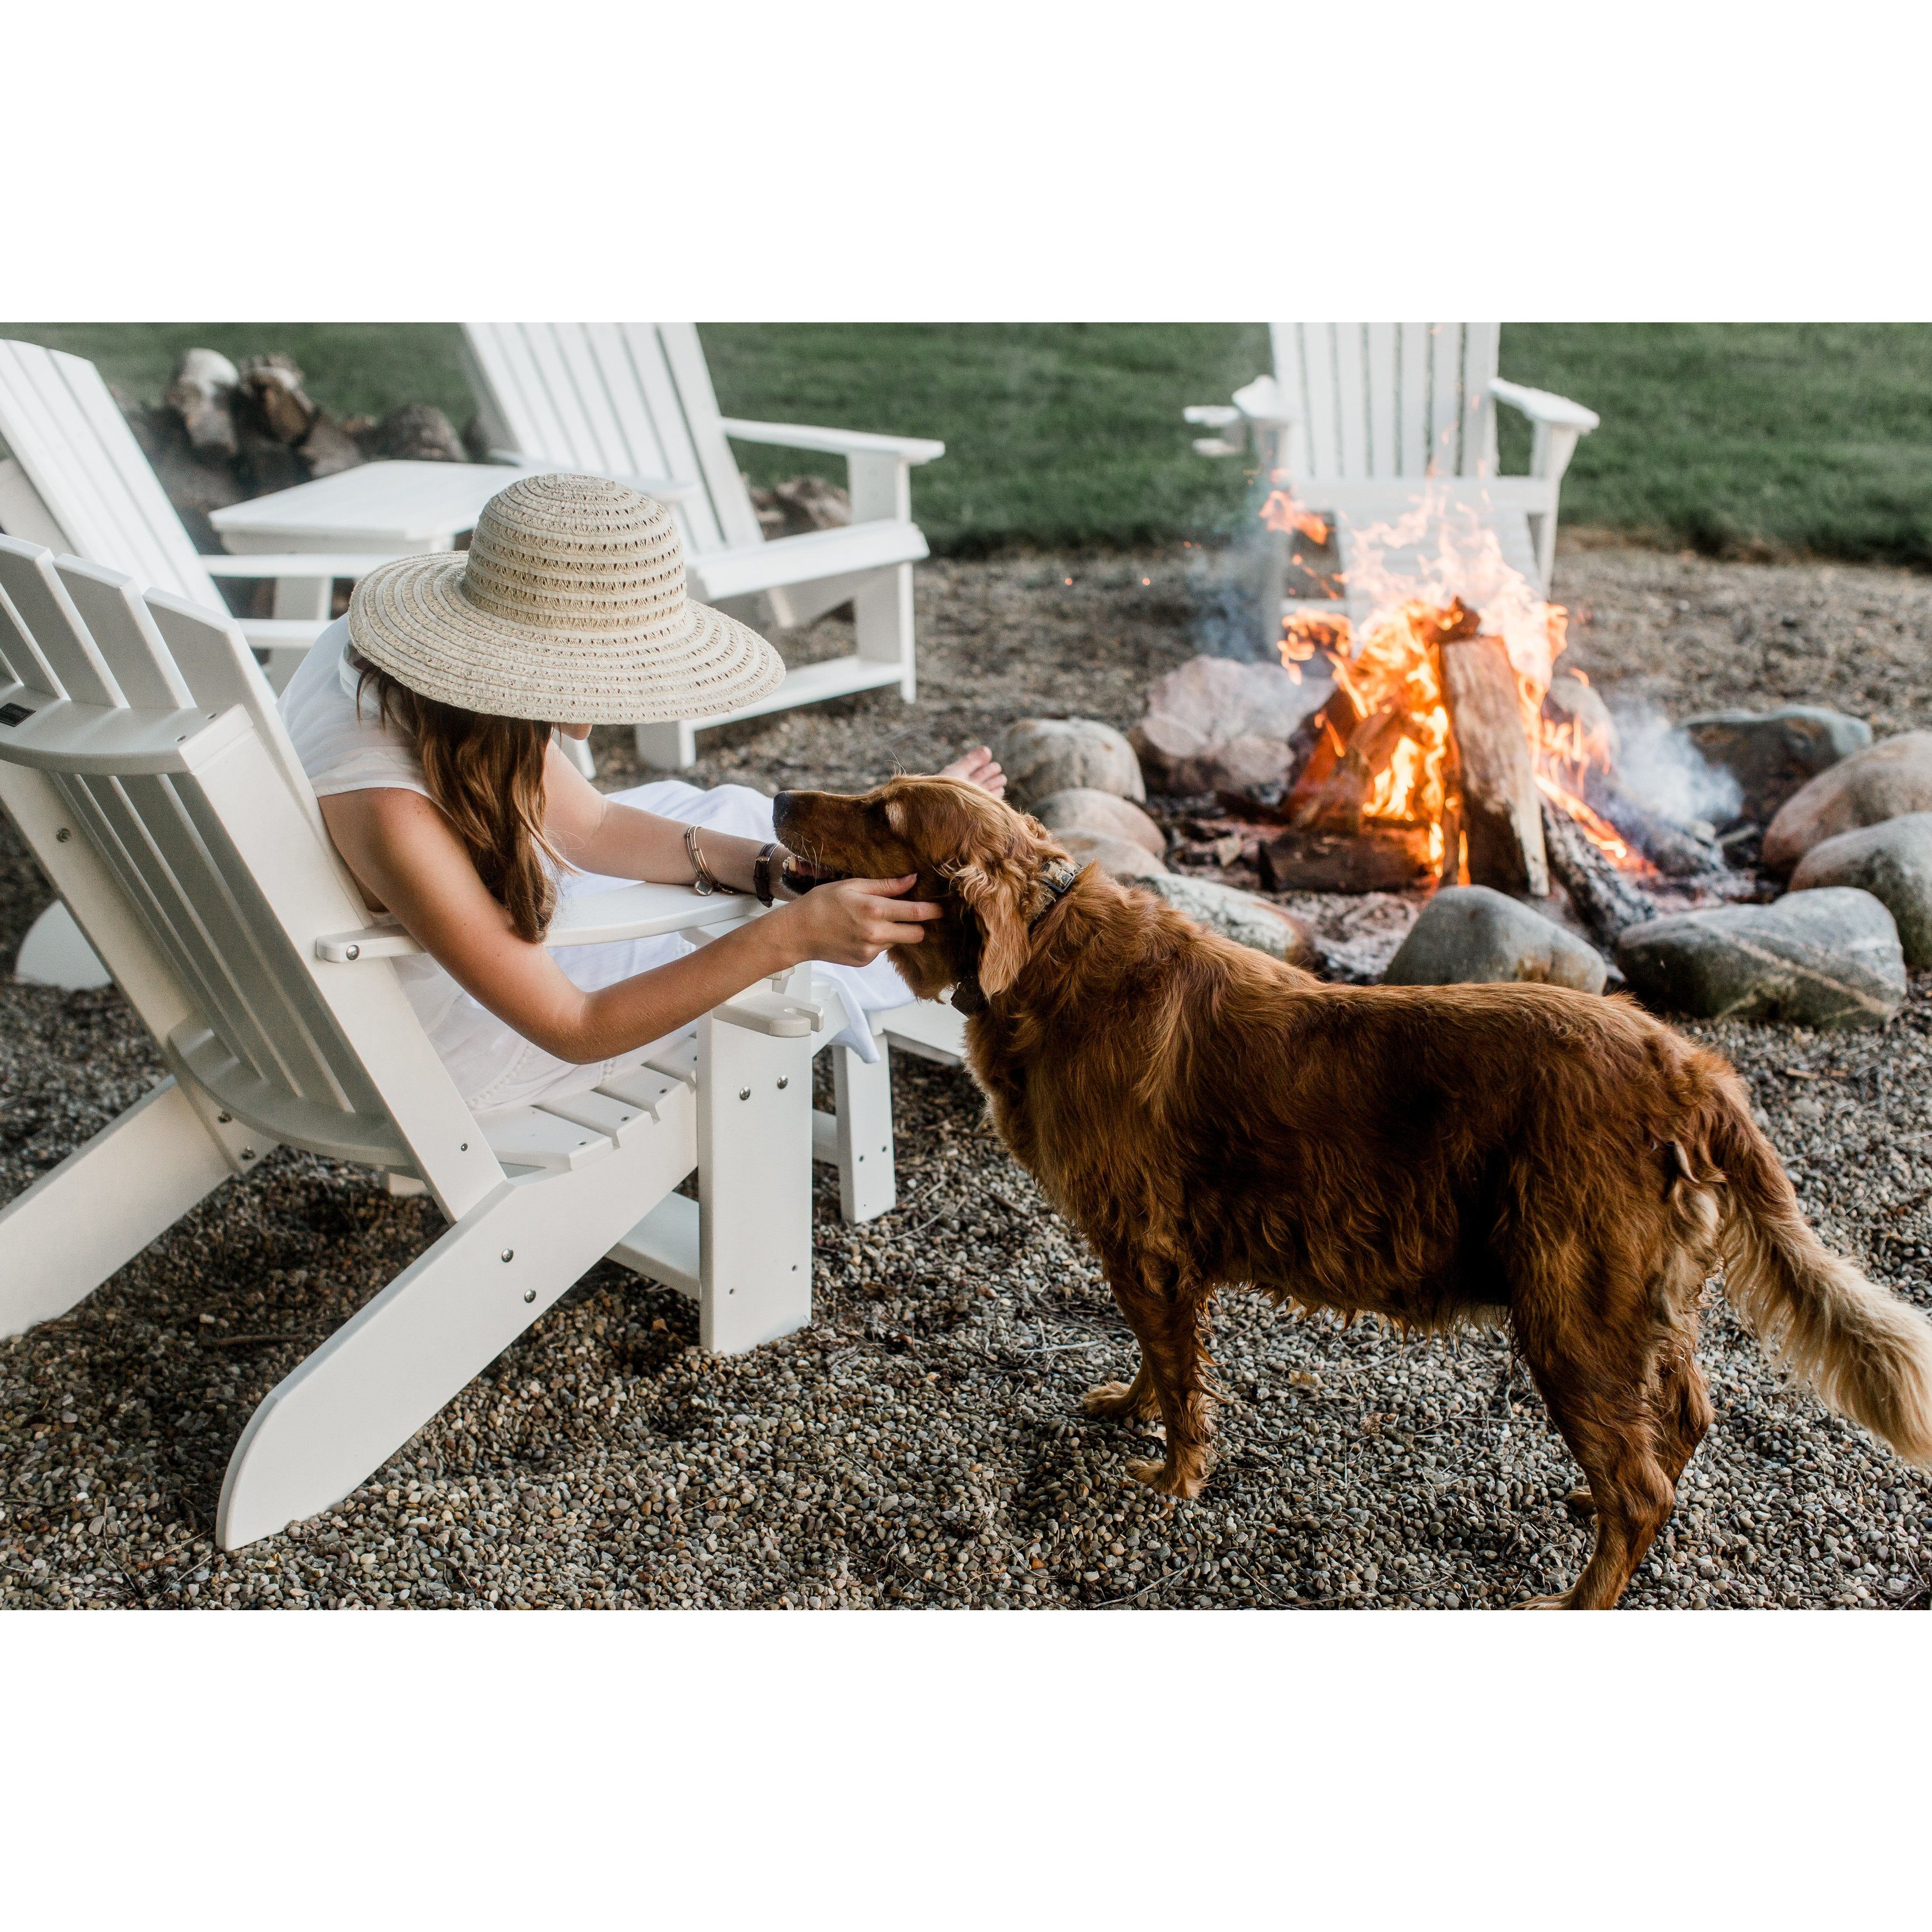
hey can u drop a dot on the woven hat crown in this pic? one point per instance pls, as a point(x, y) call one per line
point(581, 554)
point(569, 604)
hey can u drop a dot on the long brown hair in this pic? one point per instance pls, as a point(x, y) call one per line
point(487, 774)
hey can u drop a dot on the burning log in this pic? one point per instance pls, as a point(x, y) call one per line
point(1377, 859)
point(1603, 898)
point(1677, 851)
point(1502, 814)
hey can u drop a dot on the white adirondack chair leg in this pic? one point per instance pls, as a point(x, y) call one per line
point(755, 1186)
point(354, 1402)
point(864, 1134)
point(668, 747)
point(54, 953)
point(102, 1204)
point(883, 607)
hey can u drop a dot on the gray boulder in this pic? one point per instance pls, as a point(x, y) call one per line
point(1238, 915)
point(1120, 858)
point(1884, 780)
point(1892, 861)
point(1772, 754)
point(1043, 755)
point(1213, 725)
point(1471, 935)
point(1829, 958)
point(1101, 815)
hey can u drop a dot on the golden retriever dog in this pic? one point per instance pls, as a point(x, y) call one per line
point(1207, 1117)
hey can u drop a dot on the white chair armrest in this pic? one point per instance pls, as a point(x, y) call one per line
point(805, 559)
point(630, 912)
point(1540, 406)
point(833, 442)
point(295, 563)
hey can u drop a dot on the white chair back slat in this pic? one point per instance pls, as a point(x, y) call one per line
point(1482, 343)
point(1318, 378)
point(258, 998)
point(1412, 378)
point(620, 391)
point(69, 437)
point(568, 377)
point(220, 670)
point(269, 976)
point(658, 393)
point(619, 451)
point(117, 835)
point(732, 501)
point(136, 654)
point(503, 358)
point(1445, 398)
point(40, 599)
point(1384, 459)
point(1351, 400)
point(21, 656)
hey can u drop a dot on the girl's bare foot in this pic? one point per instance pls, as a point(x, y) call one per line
point(978, 767)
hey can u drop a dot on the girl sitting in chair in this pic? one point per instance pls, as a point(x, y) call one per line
point(424, 720)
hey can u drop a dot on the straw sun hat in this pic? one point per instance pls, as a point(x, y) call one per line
point(568, 607)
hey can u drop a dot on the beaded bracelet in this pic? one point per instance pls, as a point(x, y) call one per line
point(704, 881)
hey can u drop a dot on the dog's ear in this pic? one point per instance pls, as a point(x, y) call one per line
point(995, 890)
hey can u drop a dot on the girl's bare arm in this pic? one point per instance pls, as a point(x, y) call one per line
point(405, 856)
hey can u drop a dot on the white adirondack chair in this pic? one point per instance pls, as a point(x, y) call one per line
point(1358, 414)
point(141, 751)
point(76, 481)
point(635, 398)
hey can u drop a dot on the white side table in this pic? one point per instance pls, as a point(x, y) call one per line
point(397, 509)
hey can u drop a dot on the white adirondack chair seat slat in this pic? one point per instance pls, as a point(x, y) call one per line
point(635, 399)
point(1357, 414)
point(184, 837)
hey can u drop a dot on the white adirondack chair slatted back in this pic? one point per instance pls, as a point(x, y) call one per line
point(177, 769)
point(632, 398)
point(69, 435)
point(1383, 400)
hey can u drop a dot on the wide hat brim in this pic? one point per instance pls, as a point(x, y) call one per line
point(411, 619)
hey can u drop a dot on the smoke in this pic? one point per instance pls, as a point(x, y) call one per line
point(1661, 768)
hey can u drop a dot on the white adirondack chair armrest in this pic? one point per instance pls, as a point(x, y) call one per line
point(1541, 406)
point(833, 442)
point(805, 559)
point(295, 563)
point(1263, 400)
point(630, 912)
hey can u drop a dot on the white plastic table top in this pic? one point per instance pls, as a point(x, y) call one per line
point(398, 507)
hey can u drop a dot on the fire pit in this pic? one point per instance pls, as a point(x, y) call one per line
point(1448, 750)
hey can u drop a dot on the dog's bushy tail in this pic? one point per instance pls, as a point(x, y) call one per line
point(1867, 1355)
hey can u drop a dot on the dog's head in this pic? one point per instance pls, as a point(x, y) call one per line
point(980, 859)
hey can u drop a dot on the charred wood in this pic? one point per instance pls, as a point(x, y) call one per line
point(1677, 851)
point(1604, 899)
point(1381, 859)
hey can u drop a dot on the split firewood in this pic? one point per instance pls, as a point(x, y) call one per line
point(1603, 898)
point(1677, 850)
point(417, 433)
point(1501, 809)
point(329, 446)
point(1380, 858)
point(202, 393)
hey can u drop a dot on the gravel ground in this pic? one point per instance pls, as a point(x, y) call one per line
point(921, 1443)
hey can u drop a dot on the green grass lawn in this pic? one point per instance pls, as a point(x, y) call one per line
point(1741, 439)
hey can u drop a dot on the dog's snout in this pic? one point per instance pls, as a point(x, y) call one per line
point(781, 812)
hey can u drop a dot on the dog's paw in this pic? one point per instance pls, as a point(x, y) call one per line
point(1167, 1479)
point(1112, 1401)
point(1561, 1601)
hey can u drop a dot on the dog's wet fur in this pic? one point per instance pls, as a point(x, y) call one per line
point(1209, 1117)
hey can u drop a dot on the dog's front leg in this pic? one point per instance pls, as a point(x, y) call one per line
point(1168, 1318)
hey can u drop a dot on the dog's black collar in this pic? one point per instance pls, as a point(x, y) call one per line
point(1056, 880)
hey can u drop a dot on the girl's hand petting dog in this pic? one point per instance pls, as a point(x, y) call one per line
point(851, 922)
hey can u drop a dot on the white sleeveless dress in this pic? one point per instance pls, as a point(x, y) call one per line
point(343, 750)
